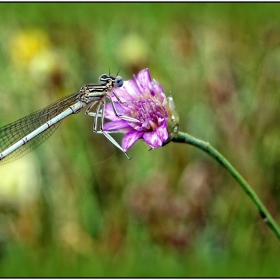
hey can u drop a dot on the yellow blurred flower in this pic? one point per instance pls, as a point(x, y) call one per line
point(22, 188)
point(28, 44)
point(32, 50)
point(133, 50)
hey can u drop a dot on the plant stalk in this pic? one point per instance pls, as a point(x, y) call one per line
point(182, 137)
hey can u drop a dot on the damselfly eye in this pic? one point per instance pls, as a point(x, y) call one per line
point(118, 81)
point(103, 79)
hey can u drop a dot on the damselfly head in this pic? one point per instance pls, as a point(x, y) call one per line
point(118, 82)
point(104, 79)
point(111, 80)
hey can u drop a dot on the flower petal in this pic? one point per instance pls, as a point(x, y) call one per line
point(156, 89)
point(156, 138)
point(144, 78)
point(110, 113)
point(116, 125)
point(130, 138)
point(122, 93)
point(132, 88)
point(152, 139)
point(162, 132)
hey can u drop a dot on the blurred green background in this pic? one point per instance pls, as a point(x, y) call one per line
point(76, 206)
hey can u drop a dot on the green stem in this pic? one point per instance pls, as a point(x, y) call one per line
point(205, 146)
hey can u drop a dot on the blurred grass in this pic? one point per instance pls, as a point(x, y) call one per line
point(76, 207)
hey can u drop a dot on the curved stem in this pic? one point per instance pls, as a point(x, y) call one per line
point(205, 146)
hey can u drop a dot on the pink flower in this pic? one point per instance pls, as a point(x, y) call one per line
point(144, 112)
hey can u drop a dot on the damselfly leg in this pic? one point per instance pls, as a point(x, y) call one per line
point(122, 117)
point(98, 122)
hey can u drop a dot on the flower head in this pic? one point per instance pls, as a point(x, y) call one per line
point(143, 112)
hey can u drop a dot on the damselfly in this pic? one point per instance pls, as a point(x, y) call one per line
point(24, 135)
